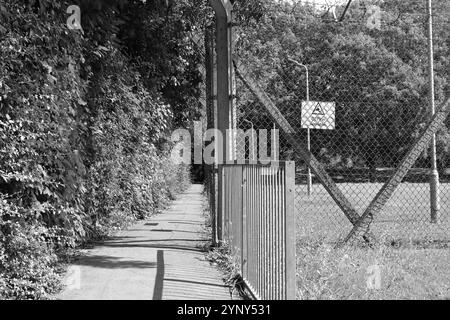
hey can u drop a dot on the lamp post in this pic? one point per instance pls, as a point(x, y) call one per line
point(434, 174)
point(308, 132)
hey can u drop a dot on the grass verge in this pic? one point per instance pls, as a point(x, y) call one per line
point(387, 272)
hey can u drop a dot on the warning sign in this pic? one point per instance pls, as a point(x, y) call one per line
point(318, 115)
point(318, 110)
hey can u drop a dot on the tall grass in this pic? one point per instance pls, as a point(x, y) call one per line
point(324, 272)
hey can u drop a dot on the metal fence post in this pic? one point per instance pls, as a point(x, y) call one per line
point(308, 131)
point(290, 231)
point(210, 115)
point(220, 204)
point(244, 233)
point(225, 117)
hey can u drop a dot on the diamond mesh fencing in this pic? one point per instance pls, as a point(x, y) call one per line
point(353, 83)
point(202, 40)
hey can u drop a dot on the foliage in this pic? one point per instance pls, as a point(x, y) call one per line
point(160, 31)
point(84, 133)
point(378, 78)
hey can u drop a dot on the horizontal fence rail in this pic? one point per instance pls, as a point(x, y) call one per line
point(259, 223)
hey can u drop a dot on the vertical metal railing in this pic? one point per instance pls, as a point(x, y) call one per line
point(259, 222)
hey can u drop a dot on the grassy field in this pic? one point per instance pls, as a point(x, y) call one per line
point(413, 262)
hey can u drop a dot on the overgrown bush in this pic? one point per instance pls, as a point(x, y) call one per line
point(83, 144)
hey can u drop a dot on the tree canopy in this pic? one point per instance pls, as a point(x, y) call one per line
point(377, 77)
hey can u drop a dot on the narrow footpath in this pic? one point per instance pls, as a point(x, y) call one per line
point(157, 259)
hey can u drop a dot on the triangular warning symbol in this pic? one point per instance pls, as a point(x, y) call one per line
point(318, 110)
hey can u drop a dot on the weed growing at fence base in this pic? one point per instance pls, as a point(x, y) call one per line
point(222, 257)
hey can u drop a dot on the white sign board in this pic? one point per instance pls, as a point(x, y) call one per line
point(318, 115)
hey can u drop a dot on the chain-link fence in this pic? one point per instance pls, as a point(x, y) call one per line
point(368, 65)
point(202, 40)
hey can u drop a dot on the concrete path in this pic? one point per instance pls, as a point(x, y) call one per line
point(156, 259)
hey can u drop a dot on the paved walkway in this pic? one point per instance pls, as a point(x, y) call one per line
point(156, 259)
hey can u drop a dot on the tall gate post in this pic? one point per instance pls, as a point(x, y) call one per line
point(226, 120)
point(211, 109)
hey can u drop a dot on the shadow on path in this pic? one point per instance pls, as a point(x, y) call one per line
point(110, 262)
point(160, 259)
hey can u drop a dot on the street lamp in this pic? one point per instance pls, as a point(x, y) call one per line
point(308, 132)
point(434, 174)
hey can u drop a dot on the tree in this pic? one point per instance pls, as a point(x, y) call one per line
point(378, 78)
